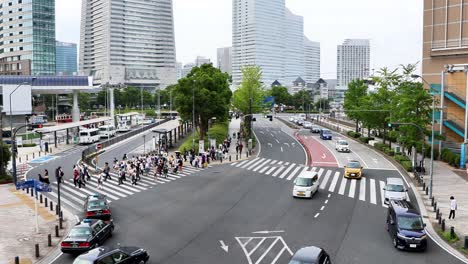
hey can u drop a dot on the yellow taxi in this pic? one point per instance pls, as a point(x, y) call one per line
point(353, 169)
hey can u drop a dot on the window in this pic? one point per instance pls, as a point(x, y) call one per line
point(119, 256)
point(106, 260)
point(11, 49)
point(20, 48)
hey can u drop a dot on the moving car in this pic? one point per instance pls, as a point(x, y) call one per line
point(307, 124)
point(395, 190)
point(104, 255)
point(353, 169)
point(342, 146)
point(405, 226)
point(107, 131)
point(300, 121)
point(325, 134)
point(315, 129)
point(312, 255)
point(89, 136)
point(86, 235)
point(291, 118)
point(96, 207)
point(305, 185)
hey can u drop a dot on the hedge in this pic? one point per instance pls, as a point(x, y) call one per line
point(401, 158)
point(218, 131)
point(28, 145)
point(366, 139)
point(354, 134)
point(407, 165)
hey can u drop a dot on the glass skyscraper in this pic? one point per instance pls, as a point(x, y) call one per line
point(66, 58)
point(27, 37)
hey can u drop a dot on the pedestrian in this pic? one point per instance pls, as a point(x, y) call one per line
point(107, 171)
point(86, 172)
point(237, 148)
point(76, 175)
point(133, 172)
point(41, 179)
point(121, 176)
point(46, 176)
point(99, 181)
point(453, 207)
point(241, 146)
point(124, 156)
point(59, 175)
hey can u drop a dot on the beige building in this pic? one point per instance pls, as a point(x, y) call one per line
point(445, 64)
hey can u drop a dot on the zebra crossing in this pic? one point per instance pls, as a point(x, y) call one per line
point(330, 179)
point(74, 197)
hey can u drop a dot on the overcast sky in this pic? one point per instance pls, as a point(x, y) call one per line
point(201, 26)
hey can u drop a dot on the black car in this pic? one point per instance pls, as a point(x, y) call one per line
point(86, 235)
point(96, 207)
point(405, 225)
point(313, 255)
point(105, 255)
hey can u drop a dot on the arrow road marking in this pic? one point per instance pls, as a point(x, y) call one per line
point(324, 156)
point(268, 232)
point(223, 246)
point(287, 144)
point(375, 160)
point(270, 145)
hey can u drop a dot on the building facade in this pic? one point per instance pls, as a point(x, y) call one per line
point(27, 37)
point(128, 42)
point(445, 67)
point(200, 60)
point(66, 58)
point(353, 61)
point(179, 70)
point(311, 60)
point(187, 69)
point(294, 63)
point(224, 59)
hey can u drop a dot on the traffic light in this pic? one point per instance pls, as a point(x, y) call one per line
point(393, 125)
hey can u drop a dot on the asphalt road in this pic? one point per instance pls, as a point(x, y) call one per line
point(188, 219)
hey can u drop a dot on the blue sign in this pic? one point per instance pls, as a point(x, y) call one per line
point(270, 100)
point(37, 185)
point(42, 159)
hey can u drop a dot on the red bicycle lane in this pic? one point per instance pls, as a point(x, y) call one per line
point(318, 154)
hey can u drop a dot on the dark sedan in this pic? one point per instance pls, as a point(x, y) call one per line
point(96, 207)
point(86, 235)
point(310, 255)
point(104, 255)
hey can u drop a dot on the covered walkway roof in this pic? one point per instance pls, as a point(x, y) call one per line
point(50, 84)
point(72, 125)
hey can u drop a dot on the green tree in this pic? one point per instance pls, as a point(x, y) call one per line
point(84, 101)
point(323, 104)
point(301, 100)
point(281, 95)
point(6, 155)
point(208, 88)
point(354, 101)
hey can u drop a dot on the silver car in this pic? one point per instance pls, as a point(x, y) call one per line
point(395, 190)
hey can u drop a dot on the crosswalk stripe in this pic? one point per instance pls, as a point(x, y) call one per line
point(382, 195)
point(314, 168)
point(261, 165)
point(319, 173)
point(343, 186)
point(281, 162)
point(270, 171)
point(362, 189)
point(248, 163)
point(334, 181)
point(256, 163)
point(163, 179)
point(66, 188)
point(294, 173)
point(264, 169)
point(62, 199)
point(242, 163)
point(88, 190)
point(109, 192)
point(325, 180)
point(62, 194)
point(234, 163)
point(373, 198)
point(273, 162)
point(174, 175)
point(352, 188)
point(287, 170)
point(110, 184)
point(280, 169)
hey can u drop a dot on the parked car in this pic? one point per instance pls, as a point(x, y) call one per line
point(104, 255)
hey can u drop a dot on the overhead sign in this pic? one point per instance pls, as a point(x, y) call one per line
point(33, 183)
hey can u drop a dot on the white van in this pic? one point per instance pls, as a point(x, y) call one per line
point(306, 184)
point(124, 126)
point(107, 131)
point(89, 136)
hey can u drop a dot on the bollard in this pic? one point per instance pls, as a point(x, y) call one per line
point(33, 155)
point(424, 186)
point(32, 192)
point(437, 213)
point(440, 218)
point(40, 198)
point(19, 159)
point(427, 190)
point(56, 209)
point(247, 153)
point(27, 190)
point(61, 215)
point(435, 207)
point(49, 240)
point(37, 250)
point(443, 225)
point(237, 157)
point(466, 243)
point(229, 157)
point(60, 223)
point(17, 260)
point(56, 231)
point(452, 232)
point(45, 201)
point(27, 157)
point(51, 206)
point(432, 201)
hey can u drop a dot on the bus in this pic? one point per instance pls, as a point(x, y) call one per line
point(125, 122)
point(107, 131)
point(89, 136)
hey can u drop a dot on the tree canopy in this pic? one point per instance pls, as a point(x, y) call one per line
point(251, 88)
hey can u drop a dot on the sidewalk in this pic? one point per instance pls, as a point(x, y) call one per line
point(447, 181)
point(19, 236)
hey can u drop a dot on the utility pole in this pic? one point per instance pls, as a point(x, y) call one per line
point(159, 102)
point(193, 117)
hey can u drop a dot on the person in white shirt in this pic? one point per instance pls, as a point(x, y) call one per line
point(453, 207)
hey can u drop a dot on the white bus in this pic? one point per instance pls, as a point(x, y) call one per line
point(89, 136)
point(107, 131)
point(125, 122)
point(124, 126)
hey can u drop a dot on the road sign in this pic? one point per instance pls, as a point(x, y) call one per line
point(98, 146)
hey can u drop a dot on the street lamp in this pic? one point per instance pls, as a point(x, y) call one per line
point(431, 170)
point(193, 117)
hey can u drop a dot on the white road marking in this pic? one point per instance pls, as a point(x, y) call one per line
point(270, 145)
point(324, 156)
point(362, 189)
point(293, 173)
point(264, 169)
point(287, 170)
point(253, 164)
point(352, 188)
point(287, 144)
point(323, 206)
point(248, 163)
point(281, 149)
point(280, 169)
point(343, 185)
point(382, 195)
point(316, 215)
point(373, 198)
point(329, 195)
point(326, 201)
point(334, 181)
point(325, 180)
point(270, 171)
point(277, 141)
point(262, 164)
point(319, 173)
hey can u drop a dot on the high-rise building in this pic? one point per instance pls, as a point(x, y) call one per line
point(66, 58)
point(179, 70)
point(353, 60)
point(445, 68)
point(199, 61)
point(128, 42)
point(27, 37)
point(311, 60)
point(224, 59)
point(187, 69)
point(293, 66)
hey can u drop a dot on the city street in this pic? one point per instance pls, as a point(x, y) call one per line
point(248, 207)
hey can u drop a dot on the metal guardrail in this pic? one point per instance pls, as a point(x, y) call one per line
point(92, 149)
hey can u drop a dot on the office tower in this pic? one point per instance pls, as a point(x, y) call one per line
point(224, 59)
point(353, 59)
point(66, 61)
point(128, 42)
point(311, 60)
point(27, 37)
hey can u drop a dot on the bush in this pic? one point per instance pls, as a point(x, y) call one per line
point(353, 134)
point(5, 179)
point(365, 139)
point(455, 160)
point(401, 158)
point(218, 131)
point(28, 145)
point(407, 165)
point(389, 152)
point(380, 146)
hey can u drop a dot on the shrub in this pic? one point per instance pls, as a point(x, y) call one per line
point(353, 134)
point(364, 139)
point(455, 160)
point(400, 158)
point(407, 165)
point(390, 152)
point(28, 145)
